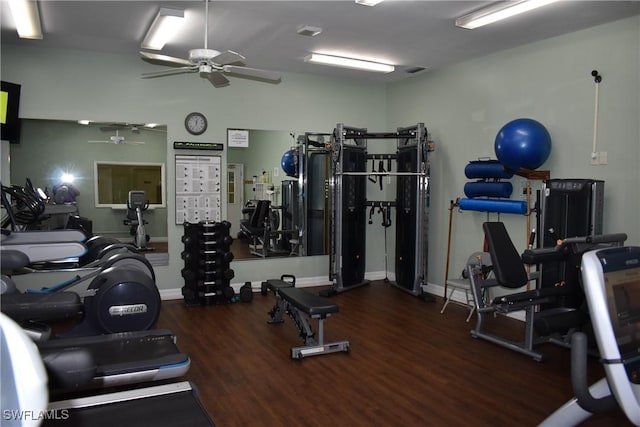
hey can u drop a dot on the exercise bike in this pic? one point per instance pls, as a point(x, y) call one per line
point(137, 203)
point(611, 280)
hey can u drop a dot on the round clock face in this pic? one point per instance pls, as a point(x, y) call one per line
point(195, 123)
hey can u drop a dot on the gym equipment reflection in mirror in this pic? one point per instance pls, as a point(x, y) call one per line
point(266, 184)
point(49, 148)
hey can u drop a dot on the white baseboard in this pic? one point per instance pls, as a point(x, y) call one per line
point(169, 294)
point(309, 282)
point(301, 282)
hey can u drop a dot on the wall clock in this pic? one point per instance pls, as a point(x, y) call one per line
point(195, 123)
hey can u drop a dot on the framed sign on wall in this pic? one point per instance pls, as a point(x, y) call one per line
point(237, 138)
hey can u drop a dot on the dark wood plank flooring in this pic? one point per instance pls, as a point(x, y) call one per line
point(409, 365)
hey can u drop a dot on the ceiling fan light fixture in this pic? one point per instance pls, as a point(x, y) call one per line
point(369, 2)
point(162, 28)
point(27, 18)
point(340, 61)
point(499, 11)
point(205, 69)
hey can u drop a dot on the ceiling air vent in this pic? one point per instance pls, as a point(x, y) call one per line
point(414, 70)
point(309, 31)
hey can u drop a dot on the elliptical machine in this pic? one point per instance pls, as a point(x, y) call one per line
point(120, 293)
point(611, 280)
point(121, 296)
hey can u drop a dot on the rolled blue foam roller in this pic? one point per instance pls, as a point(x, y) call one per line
point(488, 189)
point(486, 169)
point(518, 207)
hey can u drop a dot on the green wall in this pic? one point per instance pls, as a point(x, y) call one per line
point(463, 107)
point(108, 88)
point(466, 104)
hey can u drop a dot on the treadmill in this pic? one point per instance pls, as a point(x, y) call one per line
point(24, 394)
point(168, 405)
point(112, 359)
point(100, 360)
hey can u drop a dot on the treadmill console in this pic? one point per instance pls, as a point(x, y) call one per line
point(612, 286)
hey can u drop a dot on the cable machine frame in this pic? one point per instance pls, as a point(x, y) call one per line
point(413, 136)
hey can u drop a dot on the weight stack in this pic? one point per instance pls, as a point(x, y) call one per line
point(207, 258)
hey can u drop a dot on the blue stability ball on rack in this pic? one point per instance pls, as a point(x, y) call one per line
point(289, 163)
point(523, 143)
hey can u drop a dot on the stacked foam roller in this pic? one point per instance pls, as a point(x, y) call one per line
point(207, 259)
point(489, 193)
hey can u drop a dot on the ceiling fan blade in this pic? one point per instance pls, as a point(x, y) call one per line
point(159, 129)
point(270, 76)
point(132, 142)
point(100, 142)
point(229, 57)
point(169, 60)
point(217, 79)
point(170, 72)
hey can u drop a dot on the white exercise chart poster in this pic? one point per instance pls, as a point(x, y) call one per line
point(198, 183)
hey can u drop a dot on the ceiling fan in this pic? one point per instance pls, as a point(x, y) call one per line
point(117, 139)
point(210, 64)
point(133, 127)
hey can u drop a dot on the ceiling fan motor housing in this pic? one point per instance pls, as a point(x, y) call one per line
point(197, 56)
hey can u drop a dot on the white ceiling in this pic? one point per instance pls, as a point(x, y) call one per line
point(405, 33)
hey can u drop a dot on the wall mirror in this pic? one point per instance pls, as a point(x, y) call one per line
point(259, 193)
point(50, 148)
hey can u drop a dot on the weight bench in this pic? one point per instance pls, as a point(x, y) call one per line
point(275, 285)
point(299, 305)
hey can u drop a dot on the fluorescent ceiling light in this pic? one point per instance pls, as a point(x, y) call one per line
point(338, 61)
point(27, 19)
point(162, 28)
point(369, 2)
point(499, 11)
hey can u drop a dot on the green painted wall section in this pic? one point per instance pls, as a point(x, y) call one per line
point(463, 106)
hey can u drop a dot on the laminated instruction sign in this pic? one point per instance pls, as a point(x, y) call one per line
point(198, 182)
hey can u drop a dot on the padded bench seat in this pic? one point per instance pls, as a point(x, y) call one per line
point(313, 305)
point(276, 284)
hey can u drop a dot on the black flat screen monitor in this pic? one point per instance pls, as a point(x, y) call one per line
point(9, 108)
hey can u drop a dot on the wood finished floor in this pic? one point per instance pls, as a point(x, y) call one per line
point(409, 365)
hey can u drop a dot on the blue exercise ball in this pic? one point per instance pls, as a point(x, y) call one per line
point(289, 163)
point(523, 143)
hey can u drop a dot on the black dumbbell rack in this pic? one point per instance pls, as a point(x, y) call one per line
point(207, 259)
